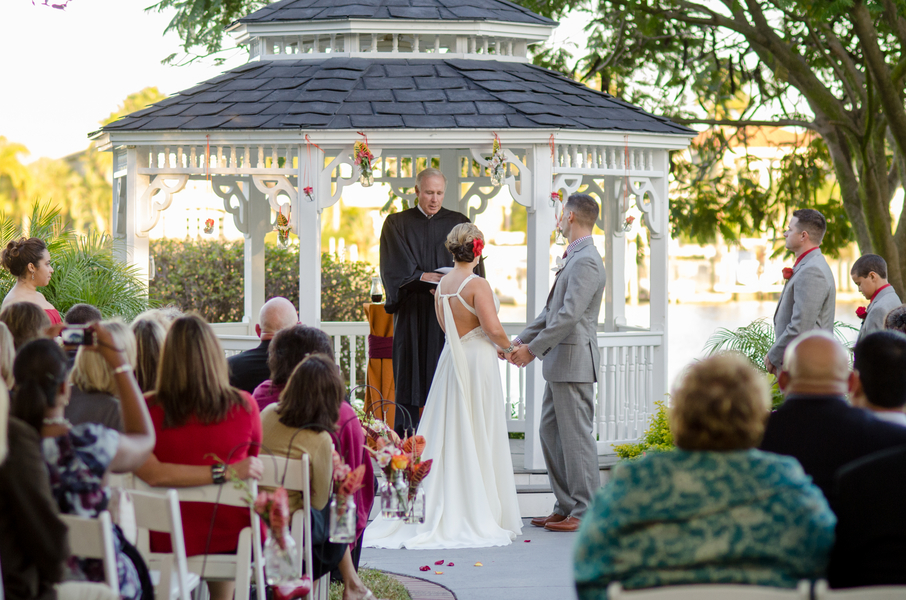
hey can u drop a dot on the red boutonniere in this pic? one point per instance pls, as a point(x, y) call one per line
point(477, 246)
point(861, 312)
point(787, 273)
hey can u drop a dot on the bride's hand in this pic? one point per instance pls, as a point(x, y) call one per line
point(500, 354)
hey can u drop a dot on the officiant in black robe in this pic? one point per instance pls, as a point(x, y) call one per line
point(412, 248)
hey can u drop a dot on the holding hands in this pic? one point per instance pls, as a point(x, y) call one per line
point(520, 355)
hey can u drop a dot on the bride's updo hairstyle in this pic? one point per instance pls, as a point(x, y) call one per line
point(19, 253)
point(461, 244)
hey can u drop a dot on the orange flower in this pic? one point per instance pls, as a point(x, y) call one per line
point(399, 462)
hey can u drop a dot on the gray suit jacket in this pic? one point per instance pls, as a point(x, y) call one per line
point(807, 303)
point(564, 335)
point(884, 302)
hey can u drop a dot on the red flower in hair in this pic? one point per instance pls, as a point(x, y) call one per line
point(861, 312)
point(477, 246)
point(787, 272)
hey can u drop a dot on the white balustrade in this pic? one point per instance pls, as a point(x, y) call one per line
point(624, 391)
point(394, 43)
point(604, 160)
point(222, 160)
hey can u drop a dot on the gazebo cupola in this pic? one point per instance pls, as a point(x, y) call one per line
point(476, 29)
point(428, 82)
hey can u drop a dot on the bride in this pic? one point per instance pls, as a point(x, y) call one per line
point(471, 491)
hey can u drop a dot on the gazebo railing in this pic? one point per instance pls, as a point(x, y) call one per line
point(624, 391)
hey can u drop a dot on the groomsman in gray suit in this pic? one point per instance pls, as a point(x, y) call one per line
point(869, 273)
point(564, 338)
point(808, 297)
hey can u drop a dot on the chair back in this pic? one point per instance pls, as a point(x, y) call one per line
point(159, 511)
point(873, 592)
point(711, 591)
point(294, 475)
point(93, 538)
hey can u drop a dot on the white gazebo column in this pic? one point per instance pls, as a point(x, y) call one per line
point(306, 215)
point(660, 242)
point(259, 224)
point(614, 255)
point(540, 225)
point(137, 242)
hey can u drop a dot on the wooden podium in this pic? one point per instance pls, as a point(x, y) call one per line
point(380, 363)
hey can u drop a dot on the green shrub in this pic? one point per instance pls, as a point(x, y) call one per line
point(208, 276)
point(85, 267)
point(657, 438)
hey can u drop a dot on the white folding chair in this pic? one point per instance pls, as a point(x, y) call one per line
point(159, 511)
point(93, 538)
point(711, 591)
point(873, 592)
point(227, 567)
point(297, 480)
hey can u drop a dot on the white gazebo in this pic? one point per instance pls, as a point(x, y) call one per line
point(432, 82)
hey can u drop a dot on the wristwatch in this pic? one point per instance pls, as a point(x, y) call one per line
point(218, 473)
point(510, 349)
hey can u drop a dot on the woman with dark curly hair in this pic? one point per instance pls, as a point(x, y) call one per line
point(28, 260)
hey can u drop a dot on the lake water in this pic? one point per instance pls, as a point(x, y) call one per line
point(690, 325)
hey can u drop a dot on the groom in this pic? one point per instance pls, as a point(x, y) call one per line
point(564, 337)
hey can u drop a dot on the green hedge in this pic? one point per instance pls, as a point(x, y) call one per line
point(207, 276)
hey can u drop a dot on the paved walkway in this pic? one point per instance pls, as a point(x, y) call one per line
point(537, 566)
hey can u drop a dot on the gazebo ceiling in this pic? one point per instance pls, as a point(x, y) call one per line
point(443, 10)
point(350, 93)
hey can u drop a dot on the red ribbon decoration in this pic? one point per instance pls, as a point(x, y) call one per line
point(207, 157)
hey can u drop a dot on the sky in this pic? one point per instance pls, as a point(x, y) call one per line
point(63, 71)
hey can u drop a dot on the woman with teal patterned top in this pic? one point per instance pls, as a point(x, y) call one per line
point(713, 511)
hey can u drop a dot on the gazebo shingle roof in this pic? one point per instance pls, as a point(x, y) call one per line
point(346, 93)
point(445, 10)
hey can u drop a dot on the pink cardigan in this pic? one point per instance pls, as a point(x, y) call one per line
point(351, 447)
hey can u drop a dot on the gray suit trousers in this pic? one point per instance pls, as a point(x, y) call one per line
point(567, 417)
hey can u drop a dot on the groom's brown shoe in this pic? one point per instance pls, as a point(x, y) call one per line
point(568, 524)
point(551, 518)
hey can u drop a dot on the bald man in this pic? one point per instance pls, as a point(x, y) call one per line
point(815, 424)
point(249, 369)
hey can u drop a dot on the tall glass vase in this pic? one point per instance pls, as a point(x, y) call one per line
point(394, 497)
point(279, 557)
point(342, 520)
point(417, 504)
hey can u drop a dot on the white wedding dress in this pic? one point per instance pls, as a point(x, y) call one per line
point(471, 490)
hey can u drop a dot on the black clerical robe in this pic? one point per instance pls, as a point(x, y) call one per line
point(412, 244)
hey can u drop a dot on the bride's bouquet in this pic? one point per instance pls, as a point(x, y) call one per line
point(404, 470)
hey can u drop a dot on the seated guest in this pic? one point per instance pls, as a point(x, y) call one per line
point(871, 533)
point(78, 457)
point(248, 369)
point(713, 511)
point(26, 321)
point(82, 314)
point(7, 355)
point(149, 341)
point(33, 541)
point(312, 399)
point(814, 424)
point(198, 416)
point(165, 316)
point(94, 397)
point(896, 319)
point(869, 273)
point(879, 364)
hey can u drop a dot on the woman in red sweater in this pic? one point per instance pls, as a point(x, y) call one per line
point(197, 415)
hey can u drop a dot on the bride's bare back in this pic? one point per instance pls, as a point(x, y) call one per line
point(478, 294)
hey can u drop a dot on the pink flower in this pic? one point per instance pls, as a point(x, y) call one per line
point(261, 503)
point(477, 246)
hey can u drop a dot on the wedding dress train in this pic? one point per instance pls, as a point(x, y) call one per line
point(471, 490)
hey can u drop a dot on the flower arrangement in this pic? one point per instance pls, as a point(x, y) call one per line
point(209, 226)
point(557, 196)
point(273, 508)
point(497, 164)
point(362, 159)
point(346, 482)
point(404, 470)
point(309, 193)
point(282, 228)
point(627, 224)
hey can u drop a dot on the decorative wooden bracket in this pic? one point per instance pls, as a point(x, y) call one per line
point(228, 189)
point(154, 208)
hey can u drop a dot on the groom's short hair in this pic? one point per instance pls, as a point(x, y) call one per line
point(585, 208)
point(812, 222)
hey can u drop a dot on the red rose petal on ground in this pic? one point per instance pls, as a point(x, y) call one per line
point(425, 568)
point(526, 541)
point(438, 562)
point(449, 564)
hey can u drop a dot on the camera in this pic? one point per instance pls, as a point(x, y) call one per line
point(77, 335)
